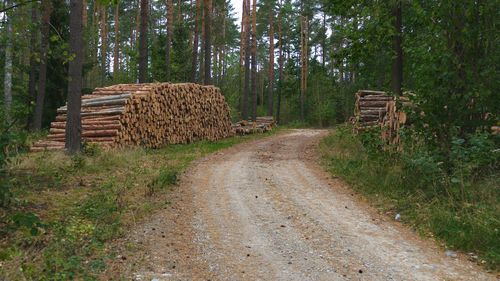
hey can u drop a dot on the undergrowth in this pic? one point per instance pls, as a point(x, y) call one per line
point(455, 201)
point(66, 211)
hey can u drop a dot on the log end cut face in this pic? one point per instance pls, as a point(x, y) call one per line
point(151, 115)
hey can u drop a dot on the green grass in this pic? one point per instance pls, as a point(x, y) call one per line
point(68, 210)
point(462, 214)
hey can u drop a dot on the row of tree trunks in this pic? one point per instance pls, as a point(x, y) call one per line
point(150, 115)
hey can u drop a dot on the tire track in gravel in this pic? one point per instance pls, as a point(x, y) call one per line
point(266, 211)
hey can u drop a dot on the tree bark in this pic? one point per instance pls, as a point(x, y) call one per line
point(33, 64)
point(116, 55)
point(7, 83)
point(73, 126)
point(208, 46)
point(246, 92)
point(254, 60)
point(280, 62)
point(304, 58)
point(103, 25)
point(194, 62)
point(270, 98)
point(143, 44)
point(397, 64)
point(170, 32)
point(42, 76)
point(242, 57)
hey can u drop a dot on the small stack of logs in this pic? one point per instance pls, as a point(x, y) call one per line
point(376, 109)
point(495, 130)
point(151, 115)
point(261, 125)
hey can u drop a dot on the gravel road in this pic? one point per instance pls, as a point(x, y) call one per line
point(266, 211)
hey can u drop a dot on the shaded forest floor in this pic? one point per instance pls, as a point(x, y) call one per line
point(67, 210)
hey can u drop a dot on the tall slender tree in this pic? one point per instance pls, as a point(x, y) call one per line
point(42, 76)
point(73, 121)
point(33, 64)
point(103, 26)
point(397, 64)
point(143, 42)
point(7, 82)
point(116, 50)
point(208, 44)
point(254, 60)
point(194, 61)
point(170, 32)
point(270, 97)
point(280, 60)
point(246, 90)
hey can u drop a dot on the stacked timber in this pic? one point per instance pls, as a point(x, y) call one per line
point(376, 109)
point(261, 125)
point(370, 109)
point(495, 130)
point(151, 115)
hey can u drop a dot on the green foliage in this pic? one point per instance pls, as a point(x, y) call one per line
point(452, 203)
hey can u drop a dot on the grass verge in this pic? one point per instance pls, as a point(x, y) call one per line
point(67, 210)
point(463, 214)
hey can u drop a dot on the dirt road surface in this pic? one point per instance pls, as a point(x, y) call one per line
point(266, 211)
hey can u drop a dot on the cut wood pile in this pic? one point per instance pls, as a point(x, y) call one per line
point(376, 109)
point(261, 125)
point(495, 130)
point(151, 115)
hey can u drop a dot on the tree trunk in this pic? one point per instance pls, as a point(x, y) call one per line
point(7, 83)
point(246, 92)
point(323, 40)
point(143, 44)
point(270, 99)
point(254, 60)
point(242, 57)
point(116, 55)
point(194, 62)
point(32, 74)
point(73, 125)
point(170, 32)
point(42, 76)
point(280, 62)
point(103, 23)
point(397, 64)
point(208, 53)
point(304, 57)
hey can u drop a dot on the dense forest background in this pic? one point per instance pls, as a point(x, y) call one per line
point(448, 50)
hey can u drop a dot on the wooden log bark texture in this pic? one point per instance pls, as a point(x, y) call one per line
point(150, 115)
point(376, 109)
point(261, 125)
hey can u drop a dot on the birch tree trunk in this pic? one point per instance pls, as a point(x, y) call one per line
point(7, 82)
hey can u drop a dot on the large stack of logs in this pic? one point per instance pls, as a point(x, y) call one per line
point(261, 125)
point(376, 109)
point(151, 115)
